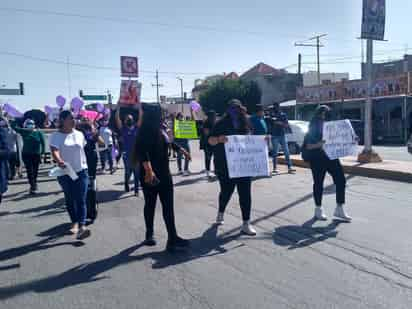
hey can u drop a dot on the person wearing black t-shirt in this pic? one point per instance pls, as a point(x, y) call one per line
point(207, 129)
point(320, 164)
point(151, 153)
point(234, 122)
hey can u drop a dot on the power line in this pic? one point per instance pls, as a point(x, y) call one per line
point(150, 23)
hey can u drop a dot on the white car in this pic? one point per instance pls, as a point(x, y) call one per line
point(295, 139)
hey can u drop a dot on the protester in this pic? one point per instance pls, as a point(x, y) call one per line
point(183, 143)
point(93, 139)
point(106, 150)
point(128, 132)
point(4, 156)
point(151, 153)
point(258, 122)
point(320, 164)
point(33, 149)
point(12, 146)
point(278, 126)
point(234, 122)
point(207, 129)
point(67, 146)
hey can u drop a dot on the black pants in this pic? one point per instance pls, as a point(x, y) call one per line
point(92, 158)
point(32, 163)
point(208, 158)
point(244, 187)
point(165, 192)
point(14, 162)
point(334, 168)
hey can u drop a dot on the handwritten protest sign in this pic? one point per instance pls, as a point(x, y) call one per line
point(185, 129)
point(247, 156)
point(339, 138)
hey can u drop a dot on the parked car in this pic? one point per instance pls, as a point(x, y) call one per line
point(410, 145)
point(296, 137)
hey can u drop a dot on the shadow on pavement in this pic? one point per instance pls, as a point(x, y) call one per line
point(300, 236)
point(204, 246)
point(37, 195)
point(107, 196)
point(54, 208)
point(8, 267)
point(44, 244)
point(191, 181)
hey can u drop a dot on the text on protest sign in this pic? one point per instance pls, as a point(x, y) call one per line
point(185, 129)
point(247, 156)
point(339, 138)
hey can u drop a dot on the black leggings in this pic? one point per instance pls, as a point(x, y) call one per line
point(32, 163)
point(244, 187)
point(334, 168)
point(165, 192)
point(208, 158)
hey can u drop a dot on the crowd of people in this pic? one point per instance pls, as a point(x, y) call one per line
point(146, 143)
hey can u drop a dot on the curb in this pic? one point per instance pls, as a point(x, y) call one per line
point(362, 170)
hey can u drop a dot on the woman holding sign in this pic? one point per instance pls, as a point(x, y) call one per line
point(235, 122)
point(320, 164)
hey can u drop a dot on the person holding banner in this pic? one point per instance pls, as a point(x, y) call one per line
point(151, 153)
point(67, 147)
point(320, 164)
point(234, 122)
point(184, 144)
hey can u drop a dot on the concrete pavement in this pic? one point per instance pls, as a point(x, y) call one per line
point(292, 263)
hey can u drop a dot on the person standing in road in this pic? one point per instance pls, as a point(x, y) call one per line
point(234, 122)
point(183, 143)
point(33, 149)
point(128, 132)
point(320, 164)
point(259, 126)
point(67, 147)
point(207, 129)
point(106, 151)
point(4, 156)
point(12, 145)
point(278, 126)
point(151, 153)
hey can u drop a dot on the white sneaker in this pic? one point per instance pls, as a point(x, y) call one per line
point(179, 173)
point(220, 218)
point(248, 229)
point(341, 215)
point(207, 174)
point(319, 214)
point(186, 173)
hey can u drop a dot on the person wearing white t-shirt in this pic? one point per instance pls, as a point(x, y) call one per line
point(67, 147)
point(106, 150)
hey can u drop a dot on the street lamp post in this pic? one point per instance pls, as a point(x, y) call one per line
point(181, 90)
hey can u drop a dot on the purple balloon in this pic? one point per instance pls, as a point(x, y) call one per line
point(100, 107)
point(48, 109)
point(60, 101)
point(12, 111)
point(106, 112)
point(195, 106)
point(77, 104)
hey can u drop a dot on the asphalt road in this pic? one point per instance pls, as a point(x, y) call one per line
point(292, 263)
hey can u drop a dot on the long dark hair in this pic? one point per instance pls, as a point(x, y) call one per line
point(244, 125)
point(62, 117)
point(149, 132)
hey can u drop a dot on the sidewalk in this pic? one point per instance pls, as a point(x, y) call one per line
point(388, 169)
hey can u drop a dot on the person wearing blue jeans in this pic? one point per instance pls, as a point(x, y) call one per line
point(128, 172)
point(278, 126)
point(183, 143)
point(67, 148)
point(75, 193)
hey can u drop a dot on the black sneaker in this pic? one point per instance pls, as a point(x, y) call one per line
point(178, 244)
point(150, 242)
point(126, 188)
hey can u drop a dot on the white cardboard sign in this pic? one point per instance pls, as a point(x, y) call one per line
point(247, 156)
point(340, 139)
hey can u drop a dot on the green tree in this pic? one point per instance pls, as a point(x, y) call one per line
point(220, 93)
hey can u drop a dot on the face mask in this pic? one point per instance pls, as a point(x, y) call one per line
point(234, 115)
point(30, 126)
point(129, 122)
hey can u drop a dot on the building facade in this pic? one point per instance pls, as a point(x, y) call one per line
point(311, 78)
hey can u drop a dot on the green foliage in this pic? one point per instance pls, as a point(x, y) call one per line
point(220, 93)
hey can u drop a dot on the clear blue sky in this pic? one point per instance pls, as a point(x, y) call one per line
point(178, 36)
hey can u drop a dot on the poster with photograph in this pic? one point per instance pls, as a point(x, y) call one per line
point(130, 92)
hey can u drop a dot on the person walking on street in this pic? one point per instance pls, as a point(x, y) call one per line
point(4, 156)
point(320, 164)
point(151, 153)
point(12, 145)
point(33, 149)
point(128, 132)
point(183, 143)
point(207, 129)
point(259, 126)
point(278, 126)
point(106, 150)
point(67, 147)
point(234, 122)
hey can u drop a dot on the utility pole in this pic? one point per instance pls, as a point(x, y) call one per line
point(318, 45)
point(181, 92)
point(157, 85)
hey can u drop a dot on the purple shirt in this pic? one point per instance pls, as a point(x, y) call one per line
point(129, 137)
